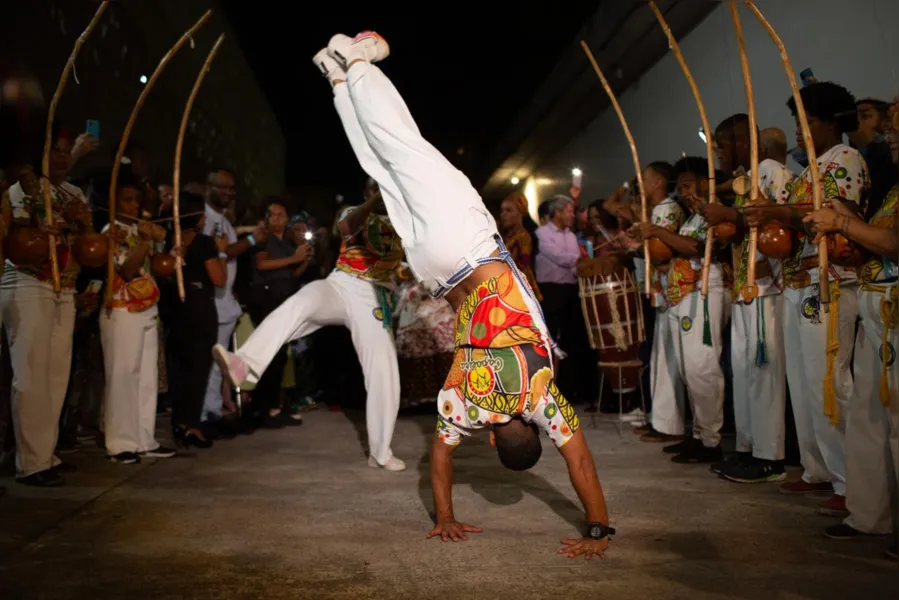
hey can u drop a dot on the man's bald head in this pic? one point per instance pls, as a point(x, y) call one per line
point(773, 145)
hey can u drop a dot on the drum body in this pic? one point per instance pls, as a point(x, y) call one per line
point(613, 315)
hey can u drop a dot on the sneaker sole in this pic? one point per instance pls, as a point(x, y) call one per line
point(769, 479)
point(804, 493)
point(841, 538)
point(374, 34)
point(832, 512)
point(891, 554)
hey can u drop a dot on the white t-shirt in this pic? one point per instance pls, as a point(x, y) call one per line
point(668, 215)
point(225, 303)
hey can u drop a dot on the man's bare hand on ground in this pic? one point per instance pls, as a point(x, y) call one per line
point(585, 546)
point(452, 530)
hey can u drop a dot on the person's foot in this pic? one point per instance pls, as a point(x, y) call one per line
point(682, 446)
point(635, 416)
point(835, 506)
point(392, 464)
point(367, 46)
point(124, 458)
point(329, 66)
point(842, 532)
point(699, 454)
point(802, 487)
point(186, 437)
point(281, 419)
point(893, 550)
point(64, 467)
point(732, 461)
point(43, 479)
point(657, 437)
point(755, 471)
point(231, 365)
point(159, 452)
point(643, 429)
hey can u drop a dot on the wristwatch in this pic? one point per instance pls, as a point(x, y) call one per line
point(598, 531)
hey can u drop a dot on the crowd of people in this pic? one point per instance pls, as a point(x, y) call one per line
point(100, 359)
point(838, 370)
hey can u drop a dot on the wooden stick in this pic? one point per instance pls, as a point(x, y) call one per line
point(179, 145)
point(113, 182)
point(48, 140)
point(751, 290)
point(823, 263)
point(710, 238)
point(637, 168)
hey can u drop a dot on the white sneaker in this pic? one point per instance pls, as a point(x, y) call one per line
point(392, 464)
point(368, 46)
point(231, 365)
point(329, 67)
point(635, 416)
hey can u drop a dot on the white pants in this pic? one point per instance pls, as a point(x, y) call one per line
point(667, 386)
point(439, 216)
point(340, 299)
point(872, 458)
point(700, 365)
point(212, 404)
point(760, 393)
point(821, 446)
point(130, 354)
point(39, 327)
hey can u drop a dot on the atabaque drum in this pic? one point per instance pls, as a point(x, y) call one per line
point(613, 314)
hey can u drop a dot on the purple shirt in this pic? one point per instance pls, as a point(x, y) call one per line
point(557, 255)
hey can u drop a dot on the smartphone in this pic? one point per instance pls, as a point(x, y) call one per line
point(93, 128)
point(94, 286)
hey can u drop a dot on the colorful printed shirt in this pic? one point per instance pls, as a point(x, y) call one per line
point(521, 247)
point(372, 253)
point(880, 270)
point(669, 215)
point(775, 185)
point(685, 274)
point(30, 207)
point(141, 292)
point(501, 368)
point(843, 174)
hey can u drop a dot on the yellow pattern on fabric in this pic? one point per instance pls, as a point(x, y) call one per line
point(873, 271)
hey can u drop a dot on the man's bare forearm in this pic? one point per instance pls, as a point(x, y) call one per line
point(442, 480)
point(584, 479)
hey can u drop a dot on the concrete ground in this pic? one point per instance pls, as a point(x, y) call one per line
point(297, 513)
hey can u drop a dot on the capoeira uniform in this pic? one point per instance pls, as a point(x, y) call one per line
point(355, 295)
point(502, 365)
point(666, 384)
point(697, 325)
point(757, 354)
point(820, 417)
point(872, 457)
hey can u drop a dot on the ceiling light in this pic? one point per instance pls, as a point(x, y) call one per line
point(515, 180)
point(143, 79)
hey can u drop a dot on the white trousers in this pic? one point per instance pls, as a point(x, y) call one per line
point(212, 404)
point(39, 327)
point(439, 216)
point(760, 392)
point(700, 365)
point(340, 299)
point(872, 455)
point(130, 353)
point(821, 445)
point(666, 384)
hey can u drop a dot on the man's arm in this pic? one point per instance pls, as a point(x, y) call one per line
point(354, 219)
point(554, 251)
point(442, 486)
point(584, 479)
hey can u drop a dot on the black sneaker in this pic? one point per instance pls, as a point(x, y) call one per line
point(699, 454)
point(124, 458)
point(64, 467)
point(46, 478)
point(755, 471)
point(842, 532)
point(681, 447)
point(159, 452)
point(893, 551)
point(734, 460)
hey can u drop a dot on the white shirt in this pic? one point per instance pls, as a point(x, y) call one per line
point(225, 303)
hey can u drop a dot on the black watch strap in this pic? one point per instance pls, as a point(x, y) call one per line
point(598, 531)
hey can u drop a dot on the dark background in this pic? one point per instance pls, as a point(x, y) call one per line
point(464, 69)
